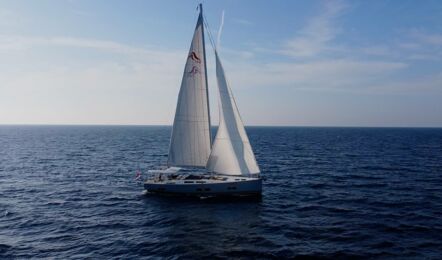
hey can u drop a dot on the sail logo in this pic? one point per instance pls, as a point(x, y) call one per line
point(194, 71)
point(194, 57)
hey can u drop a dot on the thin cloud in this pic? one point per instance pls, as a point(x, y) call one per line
point(328, 74)
point(414, 45)
point(423, 84)
point(242, 21)
point(409, 45)
point(14, 42)
point(313, 39)
point(377, 50)
point(427, 38)
point(83, 13)
point(422, 45)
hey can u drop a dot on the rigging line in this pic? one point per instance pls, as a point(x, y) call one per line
point(212, 42)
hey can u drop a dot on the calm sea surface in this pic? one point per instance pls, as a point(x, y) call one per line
point(69, 192)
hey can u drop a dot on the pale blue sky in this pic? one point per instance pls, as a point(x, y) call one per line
point(314, 63)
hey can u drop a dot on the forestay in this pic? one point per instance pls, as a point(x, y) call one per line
point(231, 151)
point(191, 141)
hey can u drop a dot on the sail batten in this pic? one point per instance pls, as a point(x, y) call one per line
point(231, 151)
point(190, 143)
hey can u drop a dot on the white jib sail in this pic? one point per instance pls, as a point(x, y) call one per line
point(191, 141)
point(231, 151)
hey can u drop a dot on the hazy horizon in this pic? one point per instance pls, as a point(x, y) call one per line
point(289, 63)
point(214, 126)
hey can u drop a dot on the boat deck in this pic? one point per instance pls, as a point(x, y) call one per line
point(195, 179)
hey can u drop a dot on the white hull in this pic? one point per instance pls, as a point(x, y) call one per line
point(218, 186)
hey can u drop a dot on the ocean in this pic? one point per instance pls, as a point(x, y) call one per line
point(70, 192)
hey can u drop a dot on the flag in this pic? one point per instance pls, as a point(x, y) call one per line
point(137, 175)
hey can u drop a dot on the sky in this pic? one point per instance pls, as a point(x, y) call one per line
point(289, 63)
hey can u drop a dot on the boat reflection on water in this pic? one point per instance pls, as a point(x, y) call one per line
point(206, 227)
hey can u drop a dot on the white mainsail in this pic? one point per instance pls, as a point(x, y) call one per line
point(191, 141)
point(231, 151)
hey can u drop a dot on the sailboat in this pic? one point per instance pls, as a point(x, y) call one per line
point(196, 164)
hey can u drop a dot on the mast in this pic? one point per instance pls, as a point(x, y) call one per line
point(205, 69)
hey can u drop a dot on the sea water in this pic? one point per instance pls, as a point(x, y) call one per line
point(70, 192)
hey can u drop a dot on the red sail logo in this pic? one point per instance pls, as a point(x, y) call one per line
point(194, 71)
point(194, 57)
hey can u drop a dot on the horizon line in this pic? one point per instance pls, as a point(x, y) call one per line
point(169, 125)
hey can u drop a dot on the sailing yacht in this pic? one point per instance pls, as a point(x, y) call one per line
point(196, 164)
